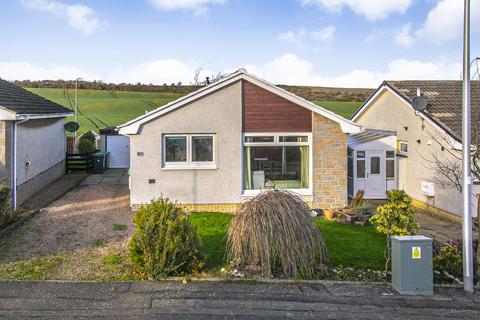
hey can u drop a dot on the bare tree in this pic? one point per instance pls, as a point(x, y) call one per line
point(198, 81)
point(448, 170)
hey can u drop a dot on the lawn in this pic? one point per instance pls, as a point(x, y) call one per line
point(344, 108)
point(105, 108)
point(348, 245)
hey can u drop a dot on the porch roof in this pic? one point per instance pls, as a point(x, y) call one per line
point(368, 135)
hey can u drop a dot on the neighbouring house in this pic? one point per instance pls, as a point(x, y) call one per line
point(234, 138)
point(32, 141)
point(401, 145)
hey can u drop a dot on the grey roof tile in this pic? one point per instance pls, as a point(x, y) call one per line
point(444, 101)
point(22, 101)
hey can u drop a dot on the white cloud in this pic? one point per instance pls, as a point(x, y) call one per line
point(403, 37)
point(301, 36)
point(293, 37)
point(326, 34)
point(444, 22)
point(25, 70)
point(157, 72)
point(197, 6)
point(370, 9)
point(285, 69)
point(79, 17)
point(290, 69)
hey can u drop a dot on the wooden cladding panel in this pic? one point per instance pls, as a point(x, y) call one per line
point(264, 111)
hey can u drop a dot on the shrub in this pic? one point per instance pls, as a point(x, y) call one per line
point(395, 218)
point(164, 243)
point(448, 259)
point(7, 215)
point(85, 146)
point(274, 234)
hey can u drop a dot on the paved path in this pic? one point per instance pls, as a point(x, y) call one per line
point(217, 300)
point(110, 177)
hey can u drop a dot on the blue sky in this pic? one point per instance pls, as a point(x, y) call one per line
point(354, 43)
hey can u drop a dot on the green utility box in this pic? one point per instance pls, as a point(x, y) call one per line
point(100, 162)
point(412, 266)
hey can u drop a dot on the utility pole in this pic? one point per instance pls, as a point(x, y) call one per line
point(76, 102)
point(466, 157)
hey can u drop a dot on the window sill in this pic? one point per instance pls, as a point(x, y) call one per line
point(191, 167)
point(301, 192)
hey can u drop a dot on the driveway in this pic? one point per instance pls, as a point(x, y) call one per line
point(219, 300)
point(87, 224)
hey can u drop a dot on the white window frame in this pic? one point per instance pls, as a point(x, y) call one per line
point(189, 164)
point(276, 142)
point(400, 143)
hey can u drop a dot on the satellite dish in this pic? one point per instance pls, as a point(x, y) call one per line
point(419, 103)
point(71, 126)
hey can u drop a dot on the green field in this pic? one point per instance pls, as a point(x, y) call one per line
point(344, 108)
point(105, 108)
point(102, 108)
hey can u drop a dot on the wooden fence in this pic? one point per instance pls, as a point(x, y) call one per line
point(77, 162)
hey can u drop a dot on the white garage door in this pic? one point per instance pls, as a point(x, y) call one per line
point(119, 148)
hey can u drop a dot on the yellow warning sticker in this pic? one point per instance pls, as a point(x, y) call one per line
point(416, 252)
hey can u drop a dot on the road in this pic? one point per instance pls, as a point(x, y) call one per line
point(222, 300)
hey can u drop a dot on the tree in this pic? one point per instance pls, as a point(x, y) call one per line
point(395, 218)
point(448, 169)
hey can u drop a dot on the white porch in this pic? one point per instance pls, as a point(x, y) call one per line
point(372, 163)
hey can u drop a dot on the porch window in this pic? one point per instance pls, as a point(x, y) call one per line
point(390, 164)
point(282, 163)
point(189, 151)
point(361, 164)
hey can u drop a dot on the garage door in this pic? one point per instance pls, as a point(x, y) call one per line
point(119, 148)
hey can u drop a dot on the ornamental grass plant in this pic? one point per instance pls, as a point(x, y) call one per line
point(273, 235)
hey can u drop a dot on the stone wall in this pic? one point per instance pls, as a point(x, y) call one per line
point(329, 164)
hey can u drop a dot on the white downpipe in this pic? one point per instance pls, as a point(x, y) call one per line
point(14, 173)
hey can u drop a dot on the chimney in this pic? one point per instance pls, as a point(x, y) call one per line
point(418, 92)
point(207, 80)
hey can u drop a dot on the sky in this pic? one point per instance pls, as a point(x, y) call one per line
point(343, 43)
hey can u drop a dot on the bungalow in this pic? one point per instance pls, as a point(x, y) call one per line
point(407, 148)
point(32, 141)
point(231, 139)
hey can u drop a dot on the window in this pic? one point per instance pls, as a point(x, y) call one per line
point(202, 148)
point(361, 164)
point(390, 164)
point(189, 151)
point(259, 139)
point(176, 149)
point(293, 138)
point(282, 162)
point(374, 165)
point(403, 147)
point(361, 168)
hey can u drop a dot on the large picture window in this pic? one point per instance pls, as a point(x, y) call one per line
point(277, 161)
point(189, 151)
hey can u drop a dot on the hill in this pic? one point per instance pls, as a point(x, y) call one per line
point(103, 108)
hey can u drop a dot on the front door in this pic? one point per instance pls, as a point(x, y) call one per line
point(375, 184)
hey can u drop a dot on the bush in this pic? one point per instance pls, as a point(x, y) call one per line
point(395, 218)
point(448, 259)
point(85, 146)
point(274, 234)
point(164, 243)
point(7, 215)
